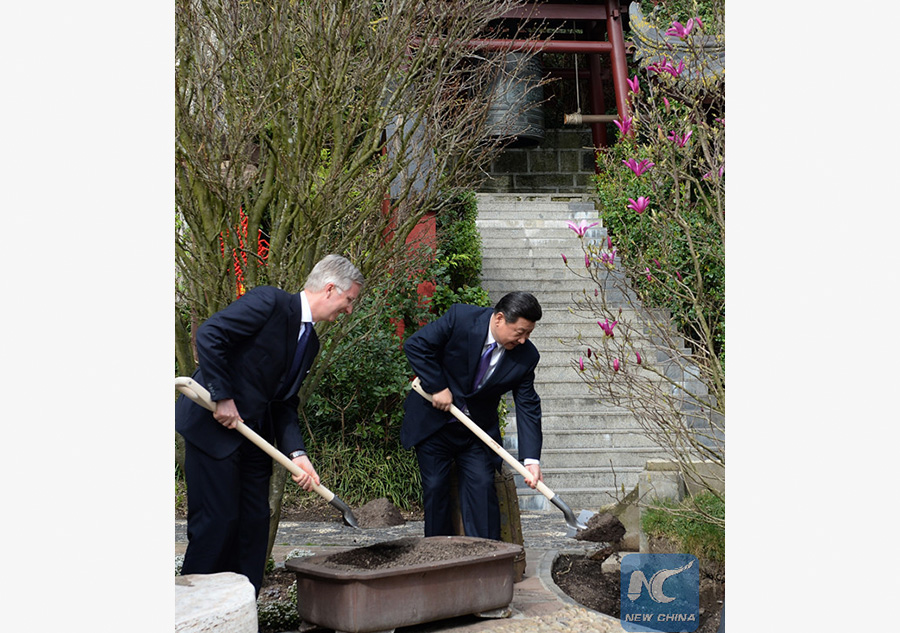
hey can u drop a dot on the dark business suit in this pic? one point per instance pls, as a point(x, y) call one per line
point(245, 353)
point(445, 353)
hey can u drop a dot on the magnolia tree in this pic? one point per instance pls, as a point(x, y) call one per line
point(316, 127)
point(659, 300)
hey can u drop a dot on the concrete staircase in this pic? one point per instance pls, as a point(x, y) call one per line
point(590, 449)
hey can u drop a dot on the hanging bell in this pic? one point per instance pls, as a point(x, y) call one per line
point(516, 95)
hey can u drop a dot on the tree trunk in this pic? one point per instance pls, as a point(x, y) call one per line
point(276, 493)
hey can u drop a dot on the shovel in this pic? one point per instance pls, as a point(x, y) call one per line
point(196, 392)
point(571, 521)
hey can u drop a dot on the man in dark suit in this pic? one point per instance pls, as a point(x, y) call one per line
point(470, 357)
point(253, 357)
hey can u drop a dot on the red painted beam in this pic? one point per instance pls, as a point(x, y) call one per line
point(547, 46)
point(619, 61)
point(558, 12)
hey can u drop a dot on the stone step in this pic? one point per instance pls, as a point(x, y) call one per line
point(546, 388)
point(562, 478)
point(555, 375)
point(531, 198)
point(591, 449)
point(592, 498)
point(546, 221)
point(590, 438)
point(538, 256)
point(550, 292)
point(491, 244)
point(578, 404)
point(599, 424)
point(599, 457)
point(556, 292)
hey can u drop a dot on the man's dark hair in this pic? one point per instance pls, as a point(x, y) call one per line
point(516, 305)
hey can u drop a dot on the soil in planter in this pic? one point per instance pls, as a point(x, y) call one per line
point(406, 552)
point(579, 576)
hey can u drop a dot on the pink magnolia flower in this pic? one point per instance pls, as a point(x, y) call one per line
point(581, 363)
point(638, 355)
point(660, 67)
point(680, 139)
point(680, 30)
point(581, 228)
point(638, 168)
point(665, 66)
point(607, 327)
point(678, 274)
point(649, 276)
point(565, 260)
point(656, 263)
point(634, 84)
point(639, 205)
point(624, 125)
point(666, 103)
point(609, 258)
point(608, 242)
point(719, 172)
point(587, 260)
point(615, 364)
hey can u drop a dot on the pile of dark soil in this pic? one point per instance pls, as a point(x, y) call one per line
point(602, 527)
point(378, 513)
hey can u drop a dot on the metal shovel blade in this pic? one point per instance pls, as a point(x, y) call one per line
point(580, 523)
point(573, 523)
point(349, 519)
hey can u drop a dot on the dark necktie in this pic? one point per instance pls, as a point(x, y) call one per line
point(298, 354)
point(483, 365)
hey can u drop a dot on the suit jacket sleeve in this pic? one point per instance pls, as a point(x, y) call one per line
point(528, 418)
point(226, 330)
point(423, 349)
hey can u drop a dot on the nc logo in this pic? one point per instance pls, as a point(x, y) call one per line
point(655, 585)
point(673, 583)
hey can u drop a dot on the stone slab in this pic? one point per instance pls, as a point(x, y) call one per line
point(223, 603)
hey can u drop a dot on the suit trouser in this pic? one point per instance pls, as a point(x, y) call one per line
point(228, 512)
point(475, 464)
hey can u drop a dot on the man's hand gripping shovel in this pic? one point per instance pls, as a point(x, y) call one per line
point(196, 392)
point(571, 521)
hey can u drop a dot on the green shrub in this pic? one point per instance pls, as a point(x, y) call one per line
point(279, 615)
point(682, 10)
point(687, 525)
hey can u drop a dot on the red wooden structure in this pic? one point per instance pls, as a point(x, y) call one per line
point(600, 24)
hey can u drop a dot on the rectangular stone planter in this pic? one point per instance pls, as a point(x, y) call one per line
point(365, 601)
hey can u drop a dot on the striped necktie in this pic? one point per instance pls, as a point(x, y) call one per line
point(483, 365)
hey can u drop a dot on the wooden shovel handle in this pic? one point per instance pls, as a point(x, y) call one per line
point(199, 394)
point(487, 439)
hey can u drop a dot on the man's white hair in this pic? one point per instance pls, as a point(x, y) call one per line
point(336, 270)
